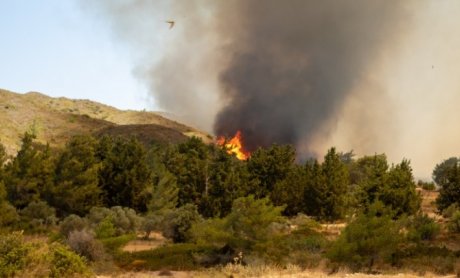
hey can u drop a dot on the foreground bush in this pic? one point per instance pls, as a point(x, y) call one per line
point(370, 239)
point(249, 224)
point(21, 259)
point(13, 254)
point(65, 263)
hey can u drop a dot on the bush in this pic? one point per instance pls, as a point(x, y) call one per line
point(72, 223)
point(422, 227)
point(105, 229)
point(38, 215)
point(178, 222)
point(8, 214)
point(84, 244)
point(249, 224)
point(13, 254)
point(124, 220)
point(454, 222)
point(450, 210)
point(65, 263)
point(430, 186)
point(371, 238)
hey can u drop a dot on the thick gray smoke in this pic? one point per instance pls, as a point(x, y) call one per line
point(295, 62)
point(369, 75)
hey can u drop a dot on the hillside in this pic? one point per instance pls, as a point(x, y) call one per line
point(57, 119)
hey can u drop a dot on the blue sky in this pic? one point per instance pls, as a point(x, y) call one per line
point(54, 47)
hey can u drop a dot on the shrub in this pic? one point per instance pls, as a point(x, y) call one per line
point(178, 222)
point(422, 227)
point(13, 254)
point(124, 220)
point(371, 238)
point(426, 185)
point(8, 214)
point(38, 215)
point(450, 210)
point(454, 222)
point(105, 229)
point(84, 244)
point(72, 223)
point(65, 263)
point(249, 224)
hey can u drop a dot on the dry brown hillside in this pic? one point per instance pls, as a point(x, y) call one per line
point(57, 119)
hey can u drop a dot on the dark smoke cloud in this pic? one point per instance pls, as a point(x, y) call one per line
point(294, 63)
point(279, 71)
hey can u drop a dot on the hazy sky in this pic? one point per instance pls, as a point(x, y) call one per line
point(57, 48)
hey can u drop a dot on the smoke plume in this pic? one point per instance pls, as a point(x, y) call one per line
point(296, 62)
point(370, 75)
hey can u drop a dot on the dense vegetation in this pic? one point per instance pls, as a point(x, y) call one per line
point(95, 194)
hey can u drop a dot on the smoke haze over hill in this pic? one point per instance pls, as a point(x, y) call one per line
point(373, 76)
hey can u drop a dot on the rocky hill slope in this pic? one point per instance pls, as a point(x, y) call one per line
point(55, 120)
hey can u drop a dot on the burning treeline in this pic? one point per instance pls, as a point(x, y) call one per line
point(283, 69)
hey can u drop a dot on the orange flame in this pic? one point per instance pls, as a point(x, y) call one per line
point(234, 146)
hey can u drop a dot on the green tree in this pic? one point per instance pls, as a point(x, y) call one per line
point(336, 178)
point(399, 191)
point(163, 201)
point(315, 190)
point(76, 181)
point(290, 191)
point(441, 171)
point(29, 176)
point(189, 163)
point(449, 192)
point(228, 180)
point(269, 166)
point(123, 177)
point(369, 174)
point(326, 187)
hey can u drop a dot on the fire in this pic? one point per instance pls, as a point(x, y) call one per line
point(234, 145)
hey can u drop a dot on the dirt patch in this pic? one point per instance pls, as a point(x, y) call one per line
point(155, 240)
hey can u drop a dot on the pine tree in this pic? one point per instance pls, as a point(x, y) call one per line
point(336, 178)
point(76, 182)
point(123, 176)
point(29, 176)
